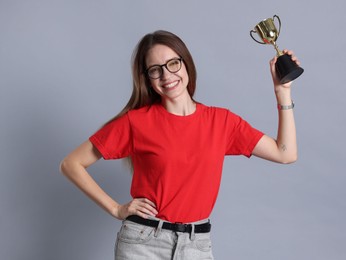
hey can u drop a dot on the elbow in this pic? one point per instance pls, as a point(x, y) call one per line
point(65, 166)
point(289, 160)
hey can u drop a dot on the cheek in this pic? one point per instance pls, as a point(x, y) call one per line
point(185, 77)
point(154, 84)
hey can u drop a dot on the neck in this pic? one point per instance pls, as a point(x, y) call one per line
point(180, 107)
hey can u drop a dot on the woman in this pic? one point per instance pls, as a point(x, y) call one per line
point(177, 147)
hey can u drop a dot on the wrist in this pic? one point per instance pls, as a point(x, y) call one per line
point(282, 91)
point(115, 211)
point(283, 97)
point(285, 107)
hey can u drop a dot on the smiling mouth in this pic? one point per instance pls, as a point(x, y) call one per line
point(171, 85)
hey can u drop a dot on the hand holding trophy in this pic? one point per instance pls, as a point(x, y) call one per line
point(287, 69)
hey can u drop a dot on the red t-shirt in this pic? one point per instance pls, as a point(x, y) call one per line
point(177, 160)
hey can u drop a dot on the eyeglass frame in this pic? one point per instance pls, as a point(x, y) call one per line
point(180, 59)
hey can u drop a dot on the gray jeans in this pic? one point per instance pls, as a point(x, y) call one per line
point(137, 242)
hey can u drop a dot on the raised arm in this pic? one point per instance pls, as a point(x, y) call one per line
point(284, 148)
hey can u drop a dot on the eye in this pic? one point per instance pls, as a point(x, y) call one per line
point(174, 64)
point(154, 70)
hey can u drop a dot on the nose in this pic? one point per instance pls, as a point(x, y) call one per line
point(165, 73)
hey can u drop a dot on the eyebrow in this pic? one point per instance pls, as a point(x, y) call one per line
point(163, 63)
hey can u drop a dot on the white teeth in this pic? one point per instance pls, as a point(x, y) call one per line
point(171, 85)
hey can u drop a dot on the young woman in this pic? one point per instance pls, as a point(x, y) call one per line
point(177, 147)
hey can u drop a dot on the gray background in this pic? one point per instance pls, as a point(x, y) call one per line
point(65, 70)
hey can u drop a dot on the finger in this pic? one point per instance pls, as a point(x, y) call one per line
point(273, 60)
point(272, 63)
point(143, 215)
point(148, 208)
point(272, 66)
point(293, 56)
point(149, 202)
point(143, 205)
point(295, 59)
point(145, 212)
point(289, 52)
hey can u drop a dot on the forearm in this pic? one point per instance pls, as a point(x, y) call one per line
point(78, 174)
point(286, 135)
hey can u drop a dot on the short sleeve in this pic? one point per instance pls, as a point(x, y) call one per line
point(242, 136)
point(114, 140)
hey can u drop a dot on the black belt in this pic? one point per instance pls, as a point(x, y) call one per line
point(177, 227)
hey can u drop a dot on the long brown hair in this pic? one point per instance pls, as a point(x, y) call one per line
point(142, 94)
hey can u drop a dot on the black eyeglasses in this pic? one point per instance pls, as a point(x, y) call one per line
point(156, 71)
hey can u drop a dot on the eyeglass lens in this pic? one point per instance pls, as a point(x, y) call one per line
point(156, 71)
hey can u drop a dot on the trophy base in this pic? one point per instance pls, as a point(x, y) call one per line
point(287, 69)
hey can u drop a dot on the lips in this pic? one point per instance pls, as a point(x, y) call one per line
point(170, 85)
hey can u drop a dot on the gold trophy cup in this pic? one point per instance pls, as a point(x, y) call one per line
point(286, 69)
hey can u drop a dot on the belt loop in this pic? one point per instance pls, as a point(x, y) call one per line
point(192, 234)
point(158, 228)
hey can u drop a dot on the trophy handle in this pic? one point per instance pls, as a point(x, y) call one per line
point(275, 16)
point(253, 31)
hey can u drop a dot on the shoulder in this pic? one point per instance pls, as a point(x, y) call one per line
point(142, 111)
point(215, 110)
point(144, 115)
point(220, 116)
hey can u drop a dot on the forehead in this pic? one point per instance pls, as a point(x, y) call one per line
point(159, 54)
